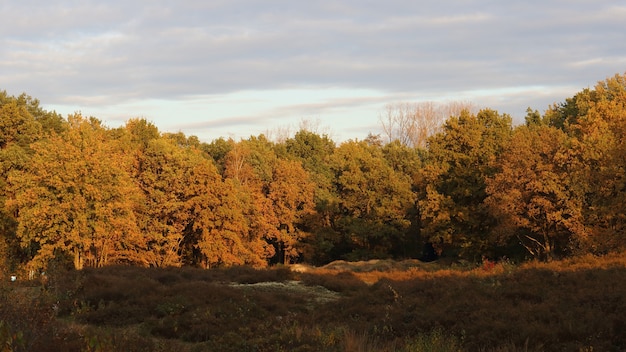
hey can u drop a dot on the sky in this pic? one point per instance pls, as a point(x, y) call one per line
point(239, 68)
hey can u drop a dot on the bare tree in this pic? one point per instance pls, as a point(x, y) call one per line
point(412, 123)
point(280, 134)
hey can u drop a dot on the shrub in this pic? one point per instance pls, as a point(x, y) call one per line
point(433, 341)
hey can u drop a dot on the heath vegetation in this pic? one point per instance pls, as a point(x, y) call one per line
point(570, 305)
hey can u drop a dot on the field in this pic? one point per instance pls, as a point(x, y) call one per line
point(573, 305)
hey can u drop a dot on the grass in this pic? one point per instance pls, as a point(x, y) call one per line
point(572, 305)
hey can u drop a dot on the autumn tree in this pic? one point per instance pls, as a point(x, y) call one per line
point(279, 195)
point(598, 131)
point(165, 177)
point(75, 197)
point(31, 113)
point(224, 231)
point(22, 122)
point(220, 229)
point(248, 166)
point(533, 195)
point(18, 128)
point(291, 195)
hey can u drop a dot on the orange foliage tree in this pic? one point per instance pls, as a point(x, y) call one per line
point(599, 153)
point(534, 196)
point(75, 196)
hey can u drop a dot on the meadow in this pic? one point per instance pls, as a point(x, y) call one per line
point(572, 305)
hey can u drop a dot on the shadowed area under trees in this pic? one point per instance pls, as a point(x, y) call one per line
point(468, 186)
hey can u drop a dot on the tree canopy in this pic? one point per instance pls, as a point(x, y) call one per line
point(469, 183)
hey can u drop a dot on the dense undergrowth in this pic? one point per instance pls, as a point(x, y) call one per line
point(573, 305)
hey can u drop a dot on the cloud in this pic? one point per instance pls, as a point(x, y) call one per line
point(106, 56)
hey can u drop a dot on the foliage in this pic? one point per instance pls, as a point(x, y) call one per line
point(472, 187)
point(373, 200)
point(22, 122)
point(177, 185)
point(598, 151)
point(74, 196)
point(453, 185)
point(533, 195)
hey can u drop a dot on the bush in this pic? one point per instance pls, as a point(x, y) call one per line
point(570, 305)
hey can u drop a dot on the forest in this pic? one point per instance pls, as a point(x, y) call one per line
point(440, 181)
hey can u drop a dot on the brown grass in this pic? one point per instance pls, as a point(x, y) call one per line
point(571, 305)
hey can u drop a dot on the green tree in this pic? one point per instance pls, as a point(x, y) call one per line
point(140, 132)
point(373, 200)
point(218, 149)
point(314, 152)
point(452, 185)
point(409, 162)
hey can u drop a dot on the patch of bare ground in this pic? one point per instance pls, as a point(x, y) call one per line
point(316, 294)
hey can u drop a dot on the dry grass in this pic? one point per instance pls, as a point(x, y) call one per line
point(572, 305)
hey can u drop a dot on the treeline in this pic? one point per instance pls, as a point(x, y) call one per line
point(75, 192)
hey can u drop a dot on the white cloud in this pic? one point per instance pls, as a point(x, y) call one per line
point(150, 56)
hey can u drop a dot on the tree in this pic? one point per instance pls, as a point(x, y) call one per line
point(168, 180)
point(218, 149)
point(452, 185)
point(249, 167)
point(599, 132)
point(533, 195)
point(140, 132)
point(75, 196)
point(249, 164)
point(280, 194)
point(409, 162)
point(373, 200)
point(314, 151)
point(22, 122)
point(412, 123)
point(225, 230)
point(18, 129)
point(291, 194)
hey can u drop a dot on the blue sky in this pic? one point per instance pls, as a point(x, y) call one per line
point(242, 67)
